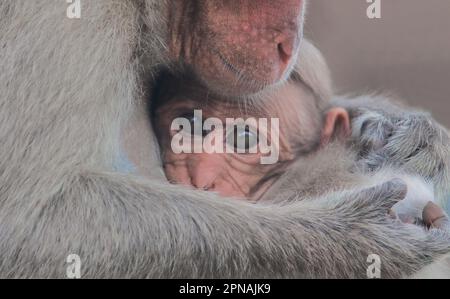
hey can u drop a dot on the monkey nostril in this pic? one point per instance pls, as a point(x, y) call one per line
point(202, 183)
point(287, 45)
point(209, 187)
point(285, 52)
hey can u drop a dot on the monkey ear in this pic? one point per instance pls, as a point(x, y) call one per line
point(337, 125)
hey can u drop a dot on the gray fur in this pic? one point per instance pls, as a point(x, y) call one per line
point(67, 88)
point(389, 141)
point(332, 174)
point(389, 134)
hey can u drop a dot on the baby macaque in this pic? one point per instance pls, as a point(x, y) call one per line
point(299, 120)
point(296, 122)
point(305, 123)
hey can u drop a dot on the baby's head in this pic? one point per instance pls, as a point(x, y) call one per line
point(293, 119)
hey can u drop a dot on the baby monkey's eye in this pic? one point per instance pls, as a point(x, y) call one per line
point(243, 139)
point(195, 122)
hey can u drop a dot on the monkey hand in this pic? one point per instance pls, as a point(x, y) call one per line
point(418, 206)
point(435, 217)
point(407, 140)
point(360, 218)
point(375, 201)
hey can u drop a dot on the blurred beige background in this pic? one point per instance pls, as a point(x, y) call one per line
point(407, 51)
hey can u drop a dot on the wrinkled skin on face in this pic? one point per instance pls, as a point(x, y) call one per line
point(236, 47)
point(239, 175)
point(229, 174)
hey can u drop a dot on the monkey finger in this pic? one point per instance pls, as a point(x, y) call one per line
point(392, 214)
point(442, 223)
point(408, 219)
point(384, 196)
point(434, 216)
point(392, 192)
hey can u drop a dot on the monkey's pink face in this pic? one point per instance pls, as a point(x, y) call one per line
point(239, 175)
point(237, 46)
point(235, 174)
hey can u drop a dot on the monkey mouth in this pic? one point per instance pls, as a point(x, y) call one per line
point(252, 84)
point(229, 65)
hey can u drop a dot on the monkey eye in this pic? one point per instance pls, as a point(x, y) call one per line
point(194, 122)
point(243, 139)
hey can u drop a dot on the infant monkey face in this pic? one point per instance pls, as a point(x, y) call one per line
point(234, 171)
point(303, 128)
point(230, 175)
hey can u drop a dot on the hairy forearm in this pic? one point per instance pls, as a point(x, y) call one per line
point(124, 227)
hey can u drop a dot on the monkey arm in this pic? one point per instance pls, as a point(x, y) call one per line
point(126, 227)
point(386, 133)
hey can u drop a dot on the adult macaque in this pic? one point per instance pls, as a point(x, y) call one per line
point(67, 89)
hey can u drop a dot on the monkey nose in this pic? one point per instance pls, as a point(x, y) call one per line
point(202, 183)
point(203, 175)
